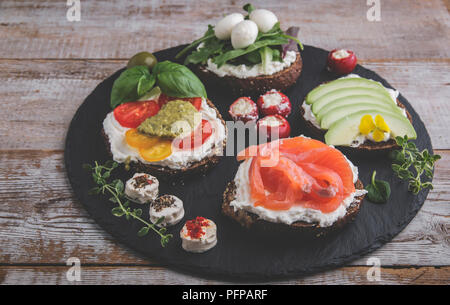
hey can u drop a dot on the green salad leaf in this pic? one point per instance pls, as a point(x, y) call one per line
point(378, 191)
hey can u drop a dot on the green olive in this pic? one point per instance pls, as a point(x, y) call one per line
point(142, 59)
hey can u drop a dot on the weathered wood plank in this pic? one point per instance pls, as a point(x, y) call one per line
point(118, 29)
point(39, 97)
point(148, 275)
point(40, 222)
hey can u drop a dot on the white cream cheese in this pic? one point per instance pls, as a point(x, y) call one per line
point(360, 139)
point(199, 245)
point(142, 192)
point(180, 158)
point(243, 71)
point(244, 201)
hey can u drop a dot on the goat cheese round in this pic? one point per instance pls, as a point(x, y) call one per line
point(244, 34)
point(198, 235)
point(142, 188)
point(264, 19)
point(168, 206)
point(223, 28)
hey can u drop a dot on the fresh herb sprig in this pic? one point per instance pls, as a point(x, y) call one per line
point(378, 191)
point(101, 175)
point(411, 164)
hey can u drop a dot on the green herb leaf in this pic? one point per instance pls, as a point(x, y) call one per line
point(208, 34)
point(249, 8)
point(378, 191)
point(266, 57)
point(143, 231)
point(125, 87)
point(178, 81)
point(118, 211)
point(145, 84)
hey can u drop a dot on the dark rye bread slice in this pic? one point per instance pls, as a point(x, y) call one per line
point(367, 145)
point(252, 221)
point(199, 167)
point(252, 86)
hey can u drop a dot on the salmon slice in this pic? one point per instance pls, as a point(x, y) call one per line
point(308, 173)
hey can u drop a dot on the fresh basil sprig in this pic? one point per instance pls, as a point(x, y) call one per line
point(130, 85)
point(100, 175)
point(174, 80)
point(411, 164)
point(378, 191)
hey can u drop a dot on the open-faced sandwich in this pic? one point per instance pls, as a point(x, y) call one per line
point(162, 121)
point(357, 112)
point(294, 184)
point(246, 54)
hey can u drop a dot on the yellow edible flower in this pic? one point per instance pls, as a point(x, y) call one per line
point(379, 127)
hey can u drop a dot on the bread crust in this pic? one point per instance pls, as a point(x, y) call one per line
point(368, 145)
point(252, 221)
point(252, 86)
point(199, 167)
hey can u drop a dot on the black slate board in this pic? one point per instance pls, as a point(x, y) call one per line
point(240, 254)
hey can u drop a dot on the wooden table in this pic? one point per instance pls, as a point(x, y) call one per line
point(48, 65)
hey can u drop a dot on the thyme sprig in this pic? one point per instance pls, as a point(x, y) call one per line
point(101, 175)
point(411, 164)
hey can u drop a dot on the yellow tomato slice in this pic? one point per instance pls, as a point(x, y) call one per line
point(139, 140)
point(159, 151)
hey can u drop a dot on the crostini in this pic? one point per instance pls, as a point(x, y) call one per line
point(246, 55)
point(162, 122)
point(294, 184)
point(358, 113)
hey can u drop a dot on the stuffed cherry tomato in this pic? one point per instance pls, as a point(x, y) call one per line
point(243, 109)
point(274, 126)
point(274, 102)
point(341, 61)
point(132, 114)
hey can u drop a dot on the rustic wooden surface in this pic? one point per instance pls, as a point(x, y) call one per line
point(49, 65)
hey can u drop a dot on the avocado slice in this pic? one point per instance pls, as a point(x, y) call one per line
point(338, 113)
point(320, 108)
point(345, 131)
point(347, 92)
point(340, 83)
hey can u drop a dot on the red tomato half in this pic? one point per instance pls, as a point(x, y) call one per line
point(132, 114)
point(195, 101)
point(193, 142)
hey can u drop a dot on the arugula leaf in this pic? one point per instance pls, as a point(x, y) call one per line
point(378, 191)
point(249, 8)
point(201, 55)
point(178, 81)
point(126, 86)
point(208, 34)
point(266, 57)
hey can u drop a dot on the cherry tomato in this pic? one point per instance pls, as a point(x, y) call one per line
point(202, 133)
point(132, 114)
point(195, 101)
point(341, 61)
point(139, 140)
point(157, 152)
point(275, 124)
point(274, 102)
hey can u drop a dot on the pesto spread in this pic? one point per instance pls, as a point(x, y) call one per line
point(176, 118)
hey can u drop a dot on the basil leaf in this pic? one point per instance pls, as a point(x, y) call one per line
point(145, 84)
point(378, 191)
point(178, 81)
point(125, 87)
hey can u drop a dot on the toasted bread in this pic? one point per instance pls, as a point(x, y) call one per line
point(252, 86)
point(367, 145)
point(252, 221)
point(166, 172)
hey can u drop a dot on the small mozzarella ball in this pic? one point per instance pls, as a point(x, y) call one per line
point(244, 34)
point(223, 28)
point(264, 19)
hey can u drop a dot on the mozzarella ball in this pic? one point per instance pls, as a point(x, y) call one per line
point(223, 28)
point(244, 34)
point(264, 19)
